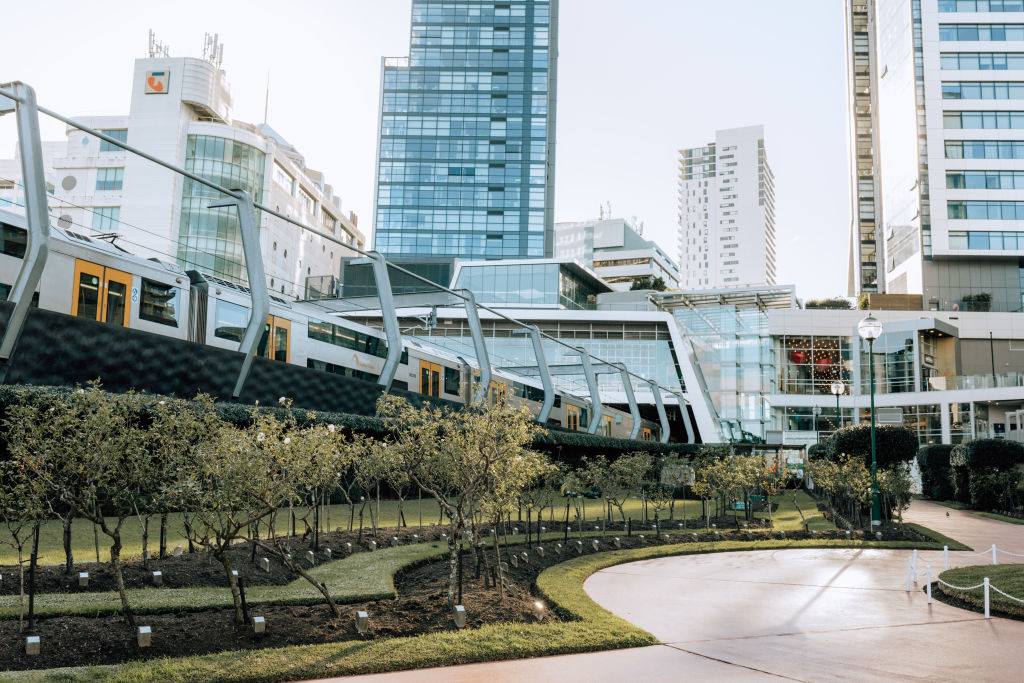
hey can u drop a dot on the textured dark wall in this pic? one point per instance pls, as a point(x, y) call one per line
point(58, 349)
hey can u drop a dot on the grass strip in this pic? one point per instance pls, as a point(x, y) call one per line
point(999, 517)
point(952, 543)
point(1009, 578)
point(591, 628)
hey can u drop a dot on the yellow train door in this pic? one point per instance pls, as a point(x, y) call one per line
point(101, 294)
point(572, 418)
point(430, 379)
point(276, 341)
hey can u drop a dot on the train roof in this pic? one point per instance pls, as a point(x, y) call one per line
point(77, 239)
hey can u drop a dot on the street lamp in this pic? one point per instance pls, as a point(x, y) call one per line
point(870, 328)
point(837, 391)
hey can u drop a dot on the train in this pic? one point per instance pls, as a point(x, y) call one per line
point(92, 278)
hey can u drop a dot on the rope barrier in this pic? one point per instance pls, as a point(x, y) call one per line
point(960, 588)
point(913, 574)
point(1007, 595)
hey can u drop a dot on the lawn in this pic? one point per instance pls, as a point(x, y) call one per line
point(999, 517)
point(1008, 578)
point(588, 628)
point(83, 548)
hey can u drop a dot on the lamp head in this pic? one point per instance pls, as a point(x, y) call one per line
point(870, 328)
point(837, 388)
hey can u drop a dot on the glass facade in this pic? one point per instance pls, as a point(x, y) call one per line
point(209, 240)
point(466, 137)
point(733, 353)
point(809, 364)
point(894, 361)
point(528, 284)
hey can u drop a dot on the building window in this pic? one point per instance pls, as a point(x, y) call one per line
point(119, 134)
point(981, 32)
point(308, 203)
point(983, 90)
point(981, 5)
point(109, 179)
point(284, 179)
point(981, 210)
point(985, 149)
point(106, 218)
point(982, 61)
point(983, 119)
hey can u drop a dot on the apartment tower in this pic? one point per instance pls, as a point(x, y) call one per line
point(727, 212)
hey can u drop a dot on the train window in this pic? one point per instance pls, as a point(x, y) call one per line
point(329, 333)
point(158, 303)
point(13, 241)
point(231, 321)
point(324, 366)
point(5, 294)
point(452, 381)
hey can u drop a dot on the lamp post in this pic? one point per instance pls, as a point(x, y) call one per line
point(837, 391)
point(870, 329)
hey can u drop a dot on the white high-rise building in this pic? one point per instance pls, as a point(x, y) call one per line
point(727, 212)
point(946, 86)
point(180, 112)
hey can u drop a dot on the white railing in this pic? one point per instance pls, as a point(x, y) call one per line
point(913, 574)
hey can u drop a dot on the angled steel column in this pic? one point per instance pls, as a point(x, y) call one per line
point(661, 410)
point(634, 409)
point(545, 375)
point(36, 210)
point(691, 435)
point(479, 347)
point(595, 394)
point(257, 281)
point(389, 317)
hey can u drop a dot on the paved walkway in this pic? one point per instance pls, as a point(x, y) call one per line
point(798, 614)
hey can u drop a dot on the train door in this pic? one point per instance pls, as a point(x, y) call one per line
point(430, 379)
point(499, 394)
point(101, 294)
point(606, 425)
point(572, 417)
point(646, 434)
point(276, 341)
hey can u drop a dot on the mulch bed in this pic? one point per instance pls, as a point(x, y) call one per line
point(420, 608)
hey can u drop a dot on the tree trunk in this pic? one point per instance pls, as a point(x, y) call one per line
point(163, 535)
point(222, 557)
point(69, 560)
point(21, 588)
point(145, 542)
point(501, 574)
point(96, 541)
point(33, 561)
point(453, 565)
point(115, 560)
point(300, 570)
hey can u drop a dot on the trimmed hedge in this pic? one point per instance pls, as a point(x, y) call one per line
point(995, 453)
point(985, 473)
point(560, 444)
point(895, 444)
point(936, 472)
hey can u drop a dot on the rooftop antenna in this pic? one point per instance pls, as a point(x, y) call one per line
point(213, 49)
point(156, 48)
point(266, 101)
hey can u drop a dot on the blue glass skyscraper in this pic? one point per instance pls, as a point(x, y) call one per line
point(466, 142)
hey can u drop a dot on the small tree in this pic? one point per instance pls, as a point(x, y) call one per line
point(21, 508)
point(623, 477)
point(657, 283)
point(458, 458)
point(239, 477)
point(894, 444)
point(89, 451)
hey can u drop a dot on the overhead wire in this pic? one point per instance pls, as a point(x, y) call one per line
point(236, 194)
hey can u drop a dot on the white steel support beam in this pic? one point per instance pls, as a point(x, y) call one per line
point(595, 394)
point(37, 213)
point(691, 436)
point(634, 409)
point(545, 375)
point(479, 347)
point(662, 416)
point(257, 281)
point(389, 317)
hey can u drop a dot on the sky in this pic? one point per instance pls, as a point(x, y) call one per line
point(638, 80)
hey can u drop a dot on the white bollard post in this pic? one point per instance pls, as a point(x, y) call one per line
point(986, 598)
point(915, 566)
point(994, 559)
point(909, 565)
point(945, 556)
point(928, 586)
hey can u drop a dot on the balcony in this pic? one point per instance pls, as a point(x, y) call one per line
point(1006, 379)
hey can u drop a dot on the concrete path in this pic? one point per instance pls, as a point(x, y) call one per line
point(968, 528)
point(800, 614)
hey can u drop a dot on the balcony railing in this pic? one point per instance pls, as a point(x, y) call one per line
point(396, 61)
point(1006, 379)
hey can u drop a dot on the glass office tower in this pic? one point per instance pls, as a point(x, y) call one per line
point(465, 163)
